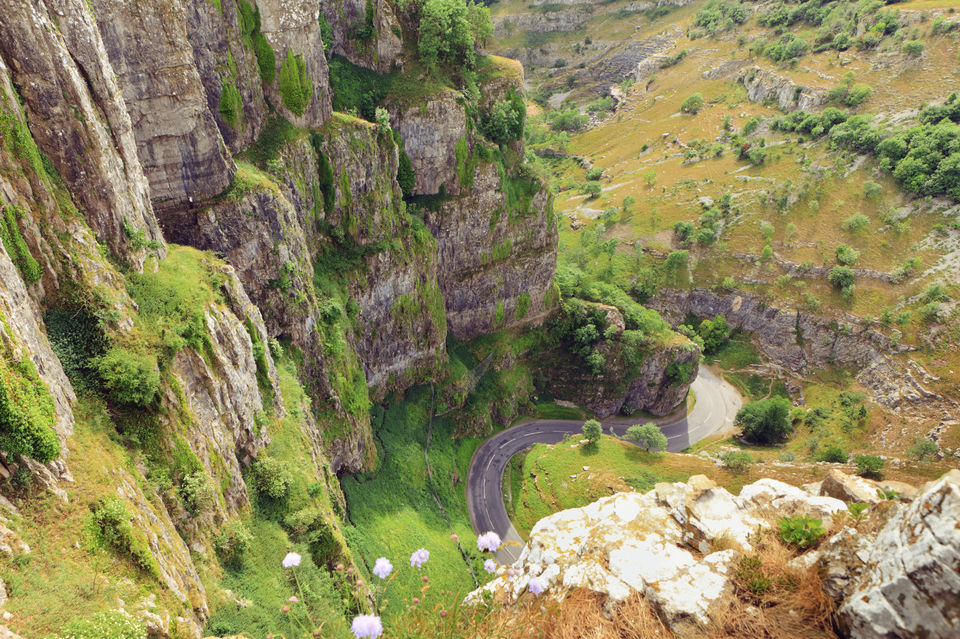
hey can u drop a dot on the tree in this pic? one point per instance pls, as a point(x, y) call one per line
point(766, 421)
point(714, 333)
point(647, 437)
point(592, 431)
point(450, 31)
point(693, 104)
point(841, 276)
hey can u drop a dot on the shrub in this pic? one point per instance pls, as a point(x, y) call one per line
point(113, 624)
point(109, 526)
point(196, 492)
point(714, 333)
point(592, 189)
point(232, 544)
point(16, 246)
point(913, 47)
point(296, 88)
point(923, 448)
point(855, 223)
point(26, 411)
point(594, 173)
point(272, 477)
point(649, 437)
point(766, 421)
point(869, 465)
point(750, 573)
point(833, 454)
point(801, 531)
point(736, 460)
point(692, 104)
point(841, 276)
point(872, 190)
point(129, 378)
point(849, 94)
point(570, 121)
point(231, 105)
point(847, 255)
point(683, 230)
point(505, 120)
point(592, 430)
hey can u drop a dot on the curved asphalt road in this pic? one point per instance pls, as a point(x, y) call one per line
point(716, 406)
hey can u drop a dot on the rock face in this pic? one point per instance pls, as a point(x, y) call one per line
point(375, 44)
point(644, 543)
point(907, 579)
point(178, 143)
point(78, 118)
point(763, 85)
point(430, 133)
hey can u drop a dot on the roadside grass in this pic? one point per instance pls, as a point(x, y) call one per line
point(393, 512)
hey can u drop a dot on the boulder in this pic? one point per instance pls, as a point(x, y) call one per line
point(849, 488)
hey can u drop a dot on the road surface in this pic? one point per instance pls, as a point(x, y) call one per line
point(716, 406)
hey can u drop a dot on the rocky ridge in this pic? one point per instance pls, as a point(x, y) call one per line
point(679, 546)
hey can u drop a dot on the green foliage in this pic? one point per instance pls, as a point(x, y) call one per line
point(113, 624)
point(647, 436)
point(855, 223)
point(272, 478)
point(841, 277)
point(231, 105)
point(692, 104)
point(592, 430)
point(570, 121)
point(717, 16)
point(296, 88)
point(130, 379)
point(233, 543)
point(523, 306)
point(249, 18)
point(801, 531)
point(672, 60)
point(913, 47)
point(78, 342)
point(326, 34)
point(833, 454)
point(849, 94)
point(276, 132)
point(109, 526)
point(847, 255)
point(766, 421)
point(406, 177)
point(787, 49)
point(15, 245)
point(592, 189)
point(750, 573)
point(923, 448)
point(324, 175)
point(450, 31)
point(678, 373)
point(736, 460)
point(505, 120)
point(26, 410)
point(594, 174)
point(196, 492)
point(714, 333)
point(869, 465)
point(872, 190)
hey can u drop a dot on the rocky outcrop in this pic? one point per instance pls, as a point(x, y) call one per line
point(371, 41)
point(178, 141)
point(660, 544)
point(292, 29)
point(763, 86)
point(903, 581)
point(78, 118)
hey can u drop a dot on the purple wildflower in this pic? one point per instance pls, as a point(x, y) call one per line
point(291, 560)
point(419, 558)
point(536, 585)
point(382, 568)
point(490, 565)
point(488, 541)
point(366, 626)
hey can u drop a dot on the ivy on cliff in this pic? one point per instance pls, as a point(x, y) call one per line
point(26, 411)
point(296, 88)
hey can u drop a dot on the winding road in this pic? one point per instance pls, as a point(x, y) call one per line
point(716, 406)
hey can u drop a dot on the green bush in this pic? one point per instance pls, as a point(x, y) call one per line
point(869, 465)
point(450, 31)
point(505, 121)
point(736, 460)
point(129, 378)
point(715, 333)
point(801, 531)
point(750, 573)
point(766, 421)
point(856, 222)
point(273, 478)
point(592, 189)
point(569, 121)
point(16, 246)
point(648, 436)
point(841, 276)
point(110, 527)
point(692, 104)
point(846, 255)
point(296, 88)
point(592, 430)
point(196, 492)
point(833, 454)
point(872, 190)
point(26, 411)
point(923, 448)
point(913, 47)
point(232, 544)
point(113, 624)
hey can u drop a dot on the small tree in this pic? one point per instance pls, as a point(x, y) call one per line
point(841, 276)
point(647, 437)
point(693, 104)
point(766, 421)
point(869, 465)
point(592, 430)
point(923, 448)
point(714, 333)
